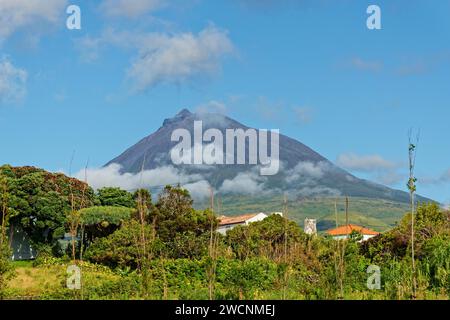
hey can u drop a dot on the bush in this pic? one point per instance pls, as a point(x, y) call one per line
point(6, 268)
point(121, 249)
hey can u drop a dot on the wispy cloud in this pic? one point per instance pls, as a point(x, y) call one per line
point(307, 170)
point(199, 190)
point(420, 65)
point(12, 82)
point(22, 15)
point(212, 106)
point(268, 109)
point(446, 176)
point(381, 170)
point(89, 48)
point(303, 115)
point(130, 8)
point(404, 66)
point(111, 176)
point(364, 163)
point(244, 183)
point(266, 5)
point(443, 178)
point(415, 68)
point(179, 58)
point(390, 177)
point(366, 65)
point(164, 58)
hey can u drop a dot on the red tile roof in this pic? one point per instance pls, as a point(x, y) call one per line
point(223, 220)
point(346, 230)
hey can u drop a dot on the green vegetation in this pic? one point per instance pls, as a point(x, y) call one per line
point(128, 247)
point(379, 215)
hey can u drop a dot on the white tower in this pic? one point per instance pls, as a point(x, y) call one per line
point(310, 226)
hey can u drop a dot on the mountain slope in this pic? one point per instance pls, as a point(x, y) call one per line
point(304, 173)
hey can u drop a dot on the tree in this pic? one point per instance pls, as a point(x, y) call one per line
point(115, 197)
point(176, 214)
point(39, 201)
point(143, 200)
point(246, 277)
point(5, 252)
point(47, 222)
point(100, 222)
point(412, 191)
point(119, 249)
point(268, 237)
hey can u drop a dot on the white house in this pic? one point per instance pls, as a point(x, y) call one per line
point(343, 232)
point(228, 223)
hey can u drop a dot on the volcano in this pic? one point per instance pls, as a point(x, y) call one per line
point(303, 172)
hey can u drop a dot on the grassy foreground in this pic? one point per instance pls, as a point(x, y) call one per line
point(48, 282)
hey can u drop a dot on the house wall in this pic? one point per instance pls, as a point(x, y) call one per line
point(365, 237)
point(223, 229)
point(259, 217)
point(21, 245)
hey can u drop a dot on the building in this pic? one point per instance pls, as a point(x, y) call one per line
point(21, 245)
point(343, 232)
point(310, 226)
point(228, 223)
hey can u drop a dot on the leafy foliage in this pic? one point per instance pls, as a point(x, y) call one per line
point(115, 197)
point(119, 249)
point(6, 267)
point(39, 201)
point(105, 215)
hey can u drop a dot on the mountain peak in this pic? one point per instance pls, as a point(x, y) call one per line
point(183, 114)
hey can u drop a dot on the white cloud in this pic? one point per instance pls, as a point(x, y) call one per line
point(130, 8)
point(379, 169)
point(446, 176)
point(212, 106)
point(269, 110)
point(21, 14)
point(436, 180)
point(199, 190)
point(316, 191)
point(306, 170)
point(196, 184)
point(12, 82)
point(179, 58)
point(390, 177)
point(303, 114)
point(111, 176)
point(244, 183)
point(89, 48)
point(368, 163)
point(365, 65)
point(164, 58)
point(417, 68)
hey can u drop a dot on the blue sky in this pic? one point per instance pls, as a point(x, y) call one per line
point(310, 68)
